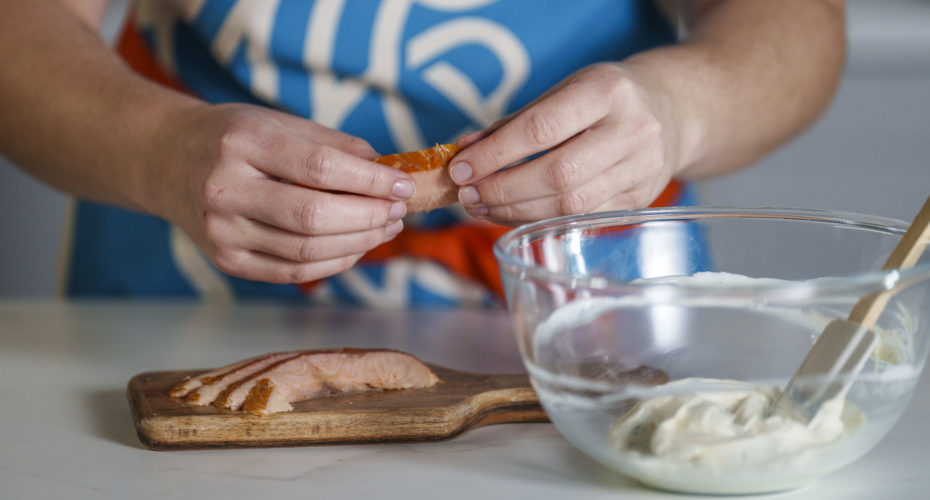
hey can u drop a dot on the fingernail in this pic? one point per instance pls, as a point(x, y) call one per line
point(398, 210)
point(477, 211)
point(460, 172)
point(393, 229)
point(468, 195)
point(403, 189)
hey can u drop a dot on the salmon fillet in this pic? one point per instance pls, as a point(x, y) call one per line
point(272, 382)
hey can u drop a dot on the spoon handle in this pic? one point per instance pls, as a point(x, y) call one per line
point(913, 243)
point(844, 346)
point(904, 256)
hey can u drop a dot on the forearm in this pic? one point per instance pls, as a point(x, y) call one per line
point(751, 74)
point(73, 114)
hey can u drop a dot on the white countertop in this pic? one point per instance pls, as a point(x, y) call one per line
point(66, 429)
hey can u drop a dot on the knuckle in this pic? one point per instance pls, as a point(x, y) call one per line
point(302, 273)
point(212, 229)
point(298, 274)
point(492, 152)
point(229, 261)
point(508, 213)
point(307, 216)
point(635, 198)
point(498, 156)
point(375, 181)
point(564, 173)
point(348, 261)
point(307, 250)
point(620, 86)
point(213, 192)
point(320, 166)
point(234, 133)
point(357, 144)
point(541, 129)
point(599, 72)
point(498, 194)
point(572, 202)
point(605, 68)
point(517, 214)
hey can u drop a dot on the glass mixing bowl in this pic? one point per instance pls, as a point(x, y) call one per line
point(655, 338)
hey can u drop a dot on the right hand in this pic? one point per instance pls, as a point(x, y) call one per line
point(271, 197)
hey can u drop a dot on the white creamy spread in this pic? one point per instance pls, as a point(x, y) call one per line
point(694, 435)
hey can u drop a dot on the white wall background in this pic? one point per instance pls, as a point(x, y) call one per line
point(870, 153)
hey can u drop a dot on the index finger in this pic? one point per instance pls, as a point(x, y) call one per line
point(543, 125)
point(315, 132)
point(331, 169)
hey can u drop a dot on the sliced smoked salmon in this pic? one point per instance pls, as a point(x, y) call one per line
point(272, 382)
point(430, 172)
point(218, 386)
point(186, 386)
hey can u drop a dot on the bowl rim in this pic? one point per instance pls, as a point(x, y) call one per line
point(871, 280)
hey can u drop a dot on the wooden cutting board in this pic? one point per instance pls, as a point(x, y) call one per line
point(461, 402)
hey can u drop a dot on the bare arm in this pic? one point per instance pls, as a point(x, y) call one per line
point(752, 74)
point(78, 118)
point(73, 111)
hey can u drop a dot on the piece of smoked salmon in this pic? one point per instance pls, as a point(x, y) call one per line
point(272, 382)
point(430, 173)
point(186, 386)
point(217, 387)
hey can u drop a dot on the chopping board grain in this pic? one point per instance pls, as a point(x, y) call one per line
point(461, 402)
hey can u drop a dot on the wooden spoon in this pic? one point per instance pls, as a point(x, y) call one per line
point(845, 345)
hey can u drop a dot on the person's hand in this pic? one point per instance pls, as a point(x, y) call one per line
point(271, 197)
point(608, 140)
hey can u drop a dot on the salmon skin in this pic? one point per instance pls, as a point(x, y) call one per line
point(270, 383)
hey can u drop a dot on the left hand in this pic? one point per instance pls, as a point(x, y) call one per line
point(611, 143)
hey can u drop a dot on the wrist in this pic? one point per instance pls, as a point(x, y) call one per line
point(160, 179)
point(677, 84)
